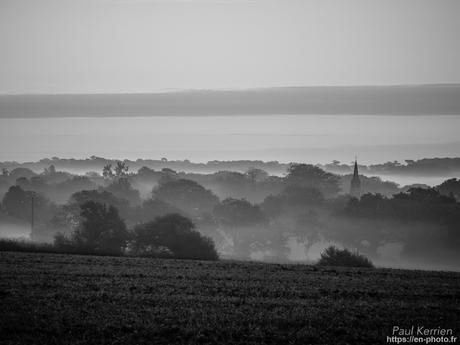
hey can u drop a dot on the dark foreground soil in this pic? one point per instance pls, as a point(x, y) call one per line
point(71, 299)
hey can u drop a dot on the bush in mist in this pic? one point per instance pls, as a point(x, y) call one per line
point(172, 235)
point(333, 256)
point(22, 245)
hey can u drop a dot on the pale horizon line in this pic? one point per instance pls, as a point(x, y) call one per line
point(242, 89)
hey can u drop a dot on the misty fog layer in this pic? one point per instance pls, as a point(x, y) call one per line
point(285, 138)
point(250, 214)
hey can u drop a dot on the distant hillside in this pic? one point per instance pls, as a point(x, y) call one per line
point(366, 100)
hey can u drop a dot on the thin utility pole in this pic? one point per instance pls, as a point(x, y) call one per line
point(32, 214)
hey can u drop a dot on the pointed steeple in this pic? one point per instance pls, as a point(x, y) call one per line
point(355, 186)
point(355, 171)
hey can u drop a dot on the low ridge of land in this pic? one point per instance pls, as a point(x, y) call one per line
point(354, 100)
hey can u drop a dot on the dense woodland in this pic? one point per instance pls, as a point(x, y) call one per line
point(240, 215)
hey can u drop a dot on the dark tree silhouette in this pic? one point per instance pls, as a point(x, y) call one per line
point(107, 171)
point(450, 187)
point(151, 209)
point(418, 205)
point(122, 189)
point(172, 235)
point(187, 195)
point(50, 170)
point(333, 256)
point(239, 212)
point(100, 196)
point(20, 172)
point(168, 175)
point(101, 230)
point(18, 203)
point(307, 175)
point(121, 169)
point(69, 217)
point(256, 175)
point(244, 222)
point(23, 182)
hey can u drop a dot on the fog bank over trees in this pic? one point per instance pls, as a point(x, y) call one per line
point(248, 213)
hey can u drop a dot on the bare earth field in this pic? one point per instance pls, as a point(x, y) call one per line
point(70, 299)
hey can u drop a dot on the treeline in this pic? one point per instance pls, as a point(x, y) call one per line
point(420, 167)
point(410, 167)
point(241, 215)
point(254, 184)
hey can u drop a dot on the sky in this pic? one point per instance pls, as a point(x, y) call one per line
point(117, 46)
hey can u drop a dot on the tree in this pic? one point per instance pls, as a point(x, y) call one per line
point(172, 235)
point(301, 196)
point(419, 207)
point(100, 196)
point(23, 182)
point(292, 199)
point(151, 209)
point(450, 187)
point(18, 203)
point(69, 214)
point(101, 230)
point(107, 171)
point(121, 188)
point(238, 212)
point(256, 175)
point(146, 172)
point(168, 175)
point(244, 222)
point(187, 195)
point(121, 169)
point(21, 172)
point(307, 175)
point(50, 170)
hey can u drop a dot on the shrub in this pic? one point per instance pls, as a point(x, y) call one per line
point(333, 256)
point(23, 245)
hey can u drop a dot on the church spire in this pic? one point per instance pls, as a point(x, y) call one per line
point(355, 171)
point(355, 186)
